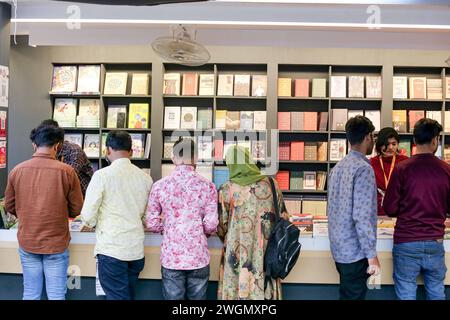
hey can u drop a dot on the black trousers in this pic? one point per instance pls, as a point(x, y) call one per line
point(353, 280)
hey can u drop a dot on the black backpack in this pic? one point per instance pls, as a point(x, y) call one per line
point(283, 247)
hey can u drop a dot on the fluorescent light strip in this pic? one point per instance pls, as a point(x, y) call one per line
point(239, 23)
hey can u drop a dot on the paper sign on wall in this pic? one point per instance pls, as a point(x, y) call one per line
point(4, 84)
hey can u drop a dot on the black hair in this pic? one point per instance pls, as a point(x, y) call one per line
point(47, 135)
point(183, 145)
point(425, 130)
point(357, 128)
point(119, 140)
point(383, 136)
point(49, 122)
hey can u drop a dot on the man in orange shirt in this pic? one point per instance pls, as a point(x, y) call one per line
point(43, 192)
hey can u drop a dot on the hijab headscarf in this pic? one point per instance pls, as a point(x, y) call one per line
point(243, 170)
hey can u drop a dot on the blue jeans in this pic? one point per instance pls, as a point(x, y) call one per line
point(118, 278)
point(51, 266)
point(185, 284)
point(413, 258)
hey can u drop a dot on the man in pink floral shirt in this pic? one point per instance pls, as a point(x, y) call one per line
point(183, 206)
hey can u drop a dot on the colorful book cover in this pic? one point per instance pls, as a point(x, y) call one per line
point(284, 87)
point(64, 79)
point(171, 84)
point(190, 84)
point(137, 146)
point(206, 87)
point(259, 85)
point(88, 79)
point(284, 121)
point(225, 85)
point(301, 87)
point(242, 85)
point(139, 116)
point(139, 83)
point(116, 116)
point(116, 83)
point(65, 112)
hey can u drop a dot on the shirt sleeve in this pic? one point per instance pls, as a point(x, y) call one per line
point(75, 198)
point(211, 218)
point(365, 211)
point(94, 198)
point(392, 196)
point(10, 195)
point(153, 221)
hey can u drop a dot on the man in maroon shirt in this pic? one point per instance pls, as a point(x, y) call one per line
point(419, 196)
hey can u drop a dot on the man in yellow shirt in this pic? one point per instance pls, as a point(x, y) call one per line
point(116, 202)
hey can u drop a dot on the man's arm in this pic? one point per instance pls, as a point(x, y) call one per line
point(153, 221)
point(211, 217)
point(75, 198)
point(392, 196)
point(10, 195)
point(93, 201)
point(365, 211)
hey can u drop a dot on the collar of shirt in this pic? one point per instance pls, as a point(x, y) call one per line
point(357, 154)
point(43, 155)
point(120, 161)
point(183, 167)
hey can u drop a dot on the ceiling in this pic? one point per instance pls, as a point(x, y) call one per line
point(288, 23)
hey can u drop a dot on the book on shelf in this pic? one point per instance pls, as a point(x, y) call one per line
point(319, 88)
point(65, 112)
point(297, 120)
point(321, 179)
point(242, 85)
point(400, 87)
point(232, 120)
point(117, 116)
point(205, 147)
point(137, 145)
point(139, 83)
point(218, 149)
point(64, 79)
point(259, 120)
point(284, 120)
point(89, 113)
point(75, 138)
point(190, 84)
point(304, 222)
point(206, 86)
point(172, 82)
point(323, 121)
point(338, 119)
point(282, 177)
point(284, 150)
point(414, 116)
point(206, 171)
point(447, 121)
point(225, 85)
point(434, 89)
point(322, 151)
point(310, 151)
point(404, 147)
point(418, 87)
point(103, 144)
point(92, 145)
point(399, 120)
point(309, 180)
point(435, 115)
point(169, 141)
point(310, 121)
point(338, 149)
point(293, 206)
point(259, 85)
point(284, 87)
point(373, 87)
point(246, 120)
point(226, 146)
point(301, 88)
point(297, 151)
point(167, 169)
point(188, 118)
point(172, 117)
point(258, 150)
point(375, 117)
point(447, 153)
point(314, 207)
point(139, 116)
point(116, 83)
point(447, 87)
point(296, 180)
point(354, 113)
point(148, 143)
point(338, 86)
point(88, 79)
point(320, 228)
point(221, 176)
point(221, 119)
point(356, 86)
point(204, 118)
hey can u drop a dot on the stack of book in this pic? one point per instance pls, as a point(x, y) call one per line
point(83, 79)
point(89, 113)
point(339, 118)
point(356, 86)
point(385, 227)
point(418, 88)
point(303, 121)
point(316, 88)
point(301, 180)
point(302, 151)
point(404, 120)
point(116, 83)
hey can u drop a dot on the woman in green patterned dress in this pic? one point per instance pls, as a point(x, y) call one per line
point(246, 219)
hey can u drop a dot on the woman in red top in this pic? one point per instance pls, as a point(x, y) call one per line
point(383, 164)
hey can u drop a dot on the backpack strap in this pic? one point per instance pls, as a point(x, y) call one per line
point(275, 200)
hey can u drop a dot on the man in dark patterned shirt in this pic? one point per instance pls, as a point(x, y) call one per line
point(72, 154)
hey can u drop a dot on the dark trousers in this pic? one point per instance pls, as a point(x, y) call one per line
point(185, 284)
point(118, 278)
point(353, 278)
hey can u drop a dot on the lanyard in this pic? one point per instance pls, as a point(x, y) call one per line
point(386, 179)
